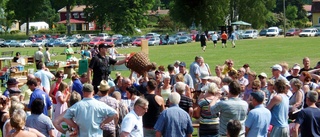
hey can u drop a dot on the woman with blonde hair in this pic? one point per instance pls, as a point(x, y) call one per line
point(180, 78)
point(247, 91)
point(209, 123)
point(62, 97)
point(18, 122)
point(296, 100)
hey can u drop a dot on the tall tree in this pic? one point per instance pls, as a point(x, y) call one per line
point(24, 10)
point(47, 14)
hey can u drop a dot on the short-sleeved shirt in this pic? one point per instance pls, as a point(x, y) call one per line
point(233, 108)
point(174, 122)
point(185, 103)
point(132, 123)
point(46, 56)
point(309, 120)
point(45, 77)
point(193, 70)
point(38, 93)
point(214, 37)
point(41, 122)
point(188, 80)
point(69, 52)
point(77, 86)
point(38, 55)
point(258, 121)
point(89, 114)
point(112, 102)
point(99, 66)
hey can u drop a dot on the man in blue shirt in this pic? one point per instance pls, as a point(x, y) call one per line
point(258, 119)
point(174, 121)
point(38, 93)
point(88, 116)
point(308, 119)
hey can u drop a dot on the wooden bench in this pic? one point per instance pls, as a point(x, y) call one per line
point(7, 54)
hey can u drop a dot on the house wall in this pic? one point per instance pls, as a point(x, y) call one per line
point(74, 15)
point(315, 18)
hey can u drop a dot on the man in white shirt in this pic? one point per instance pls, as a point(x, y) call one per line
point(214, 38)
point(38, 56)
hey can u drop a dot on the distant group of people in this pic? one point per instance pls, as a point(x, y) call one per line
point(214, 37)
point(162, 101)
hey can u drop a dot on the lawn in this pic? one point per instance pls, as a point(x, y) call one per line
point(259, 53)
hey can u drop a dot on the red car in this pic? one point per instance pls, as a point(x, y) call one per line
point(109, 41)
point(137, 42)
point(96, 41)
point(293, 32)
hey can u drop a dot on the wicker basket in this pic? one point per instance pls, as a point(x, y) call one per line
point(139, 63)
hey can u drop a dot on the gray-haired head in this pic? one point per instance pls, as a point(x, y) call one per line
point(180, 87)
point(312, 96)
point(87, 88)
point(174, 98)
point(141, 102)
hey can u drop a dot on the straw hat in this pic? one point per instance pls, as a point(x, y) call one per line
point(103, 86)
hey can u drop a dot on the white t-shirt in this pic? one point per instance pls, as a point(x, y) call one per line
point(132, 123)
point(214, 37)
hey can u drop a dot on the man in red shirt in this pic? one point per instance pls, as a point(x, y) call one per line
point(224, 38)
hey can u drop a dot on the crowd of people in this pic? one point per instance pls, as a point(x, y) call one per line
point(162, 101)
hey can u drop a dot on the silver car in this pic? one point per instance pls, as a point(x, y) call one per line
point(154, 41)
point(250, 34)
point(39, 43)
point(24, 43)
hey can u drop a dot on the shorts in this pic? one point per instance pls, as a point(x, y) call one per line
point(215, 42)
point(224, 41)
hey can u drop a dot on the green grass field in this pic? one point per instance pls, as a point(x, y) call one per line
point(259, 53)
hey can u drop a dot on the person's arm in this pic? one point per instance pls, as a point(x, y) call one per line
point(51, 90)
point(275, 100)
point(160, 101)
point(63, 99)
point(8, 128)
point(296, 130)
point(190, 112)
point(71, 123)
point(120, 62)
point(298, 99)
point(57, 121)
point(124, 134)
point(158, 134)
point(89, 75)
point(247, 130)
point(108, 119)
point(189, 135)
point(52, 133)
point(39, 134)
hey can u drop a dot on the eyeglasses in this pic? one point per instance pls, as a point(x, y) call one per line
point(144, 108)
point(60, 77)
point(229, 63)
point(254, 88)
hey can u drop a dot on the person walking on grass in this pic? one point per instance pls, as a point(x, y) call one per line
point(203, 39)
point(214, 38)
point(224, 38)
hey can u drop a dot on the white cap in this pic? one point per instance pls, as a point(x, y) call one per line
point(263, 75)
point(296, 67)
point(277, 67)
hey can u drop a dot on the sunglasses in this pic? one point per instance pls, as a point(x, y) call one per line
point(60, 77)
point(254, 88)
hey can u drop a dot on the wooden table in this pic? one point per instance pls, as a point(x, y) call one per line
point(4, 61)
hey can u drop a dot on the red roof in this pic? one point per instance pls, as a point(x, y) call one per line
point(307, 8)
point(72, 21)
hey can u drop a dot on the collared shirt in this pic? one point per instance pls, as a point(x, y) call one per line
point(233, 108)
point(45, 77)
point(243, 81)
point(258, 121)
point(38, 93)
point(174, 122)
point(132, 123)
point(112, 102)
point(193, 70)
point(188, 80)
point(38, 55)
point(89, 114)
point(41, 122)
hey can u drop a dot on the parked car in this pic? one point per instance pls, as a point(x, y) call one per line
point(250, 34)
point(56, 43)
point(154, 41)
point(39, 43)
point(239, 34)
point(184, 39)
point(24, 43)
point(96, 41)
point(293, 32)
point(137, 42)
point(263, 32)
point(76, 36)
point(116, 36)
point(182, 33)
point(152, 35)
point(7, 43)
point(308, 32)
point(109, 41)
point(103, 35)
point(317, 34)
point(1, 42)
point(90, 36)
point(171, 41)
point(272, 31)
point(81, 41)
point(121, 42)
point(14, 43)
point(69, 42)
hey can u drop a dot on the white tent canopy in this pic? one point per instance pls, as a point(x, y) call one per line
point(36, 25)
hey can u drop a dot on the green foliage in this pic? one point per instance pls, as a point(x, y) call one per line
point(61, 27)
point(14, 31)
point(291, 12)
point(32, 29)
point(47, 14)
point(166, 22)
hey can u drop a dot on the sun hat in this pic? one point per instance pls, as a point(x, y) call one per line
point(103, 86)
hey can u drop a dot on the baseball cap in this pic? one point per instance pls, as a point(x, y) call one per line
point(277, 67)
point(104, 46)
point(182, 64)
point(296, 67)
point(12, 81)
point(263, 75)
point(204, 77)
point(259, 96)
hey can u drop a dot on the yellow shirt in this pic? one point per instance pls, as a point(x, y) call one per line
point(226, 70)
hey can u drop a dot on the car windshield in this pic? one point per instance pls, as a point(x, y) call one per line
point(8, 40)
point(22, 41)
point(306, 30)
point(183, 37)
point(108, 40)
point(248, 32)
point(271, 30)
point(151, 39)
point(137, 40)
point(291, 30)
point(39, 40)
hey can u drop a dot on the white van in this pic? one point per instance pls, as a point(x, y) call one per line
point(272, 31)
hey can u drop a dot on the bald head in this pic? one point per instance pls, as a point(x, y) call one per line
point(31, 76)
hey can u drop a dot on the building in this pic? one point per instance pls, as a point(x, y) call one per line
point(315, 10)
point(77, 18)
point(37, 25)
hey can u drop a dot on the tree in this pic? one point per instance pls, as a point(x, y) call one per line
point(47, 14)
point(24, 10)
